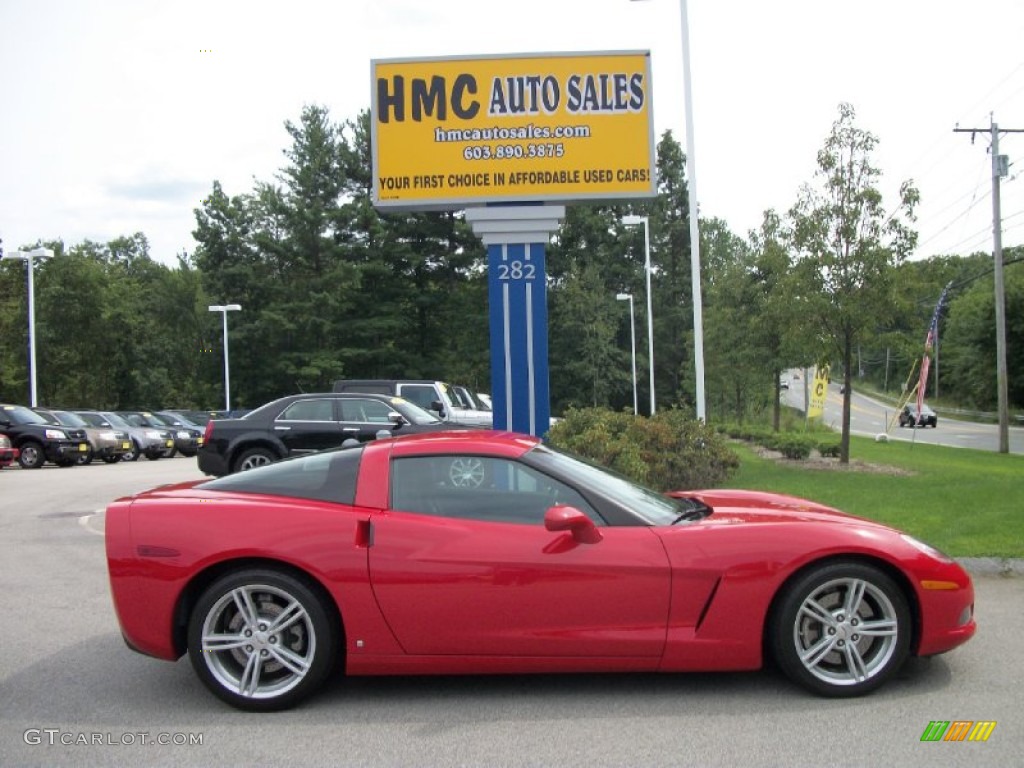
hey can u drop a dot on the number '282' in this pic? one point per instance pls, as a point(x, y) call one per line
point(516, 270)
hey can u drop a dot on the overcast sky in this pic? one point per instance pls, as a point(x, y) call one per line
point(117, 115)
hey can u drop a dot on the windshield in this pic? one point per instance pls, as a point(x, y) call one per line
point(647, 504)
point(93, 419)
point(19, 414)
point(49, 418)
point(114, 420)
point(177, 420)
point(156, 421)
point(452, 397)
point(412, 412)
point(69, 419)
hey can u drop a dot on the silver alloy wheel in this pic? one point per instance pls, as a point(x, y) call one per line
point(846, 631)
point(251, 461)
point(258, 641)
point(466, 473)
point(32, 455)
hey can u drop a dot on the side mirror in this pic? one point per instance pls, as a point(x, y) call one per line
point(562, 517)
point(396, 418)
point(438, 406)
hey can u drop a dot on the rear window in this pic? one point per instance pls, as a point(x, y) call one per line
point(325, 476)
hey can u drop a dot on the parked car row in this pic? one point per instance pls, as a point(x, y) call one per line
point(65, 436)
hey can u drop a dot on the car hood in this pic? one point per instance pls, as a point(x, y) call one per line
point(736, 506)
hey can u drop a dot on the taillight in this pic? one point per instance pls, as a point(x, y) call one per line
point(209, 431)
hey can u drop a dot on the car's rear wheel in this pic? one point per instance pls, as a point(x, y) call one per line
point(32, 455)
point(841, 629)
point(261, 639)
point(254, 457)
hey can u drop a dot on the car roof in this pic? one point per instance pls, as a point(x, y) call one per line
point(496, 442)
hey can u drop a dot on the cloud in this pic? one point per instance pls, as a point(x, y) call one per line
point(158, 190)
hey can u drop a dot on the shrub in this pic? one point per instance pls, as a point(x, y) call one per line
point(667, 452)
point(794, 446)
point(829, 448)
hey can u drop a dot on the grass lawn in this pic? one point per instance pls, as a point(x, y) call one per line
point(967, 503)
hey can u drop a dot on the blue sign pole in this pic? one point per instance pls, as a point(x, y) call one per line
point(517, 287)
point(519, 337)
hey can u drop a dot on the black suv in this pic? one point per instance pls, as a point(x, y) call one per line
point(39, 441)
point(305, 423)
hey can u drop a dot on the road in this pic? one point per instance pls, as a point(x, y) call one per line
point(66, 675)
point(870, 417)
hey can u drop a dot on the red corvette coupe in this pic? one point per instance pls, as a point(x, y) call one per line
point(487, 552)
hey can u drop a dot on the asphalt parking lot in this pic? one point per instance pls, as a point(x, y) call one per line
point(73, 694)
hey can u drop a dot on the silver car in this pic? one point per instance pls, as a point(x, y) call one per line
point(147, 441)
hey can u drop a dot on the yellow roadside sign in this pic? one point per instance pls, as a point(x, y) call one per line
point(819, 389)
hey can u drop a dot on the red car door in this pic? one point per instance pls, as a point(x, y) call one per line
point(473, 571)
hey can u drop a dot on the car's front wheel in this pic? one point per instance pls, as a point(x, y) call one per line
point(841, 629)
point(32, 455)
point(261, 639)
point(133, 453)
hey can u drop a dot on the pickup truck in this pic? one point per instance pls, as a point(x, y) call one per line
point(434, 396)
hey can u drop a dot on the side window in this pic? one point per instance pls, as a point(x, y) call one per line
point(421, 394)
point(479, 488)
point(308, 410)
point(365, 411)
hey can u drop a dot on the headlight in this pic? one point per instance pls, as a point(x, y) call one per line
point(108, 435)
point(152, 434)
point(183, 435)
point(926, 548)
point(55, 434)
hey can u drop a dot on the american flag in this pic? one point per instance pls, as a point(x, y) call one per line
point(929, 343)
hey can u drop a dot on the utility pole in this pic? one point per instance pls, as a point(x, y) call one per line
point(1000, 168)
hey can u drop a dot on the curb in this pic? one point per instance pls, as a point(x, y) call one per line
point(992, 566)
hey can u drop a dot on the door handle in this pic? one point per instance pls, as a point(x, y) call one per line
point(282, 429)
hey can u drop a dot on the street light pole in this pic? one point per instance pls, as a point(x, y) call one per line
point(632, 343)
point(691, 177)
point(224, 309)
point(29, 257)
point(631, 221)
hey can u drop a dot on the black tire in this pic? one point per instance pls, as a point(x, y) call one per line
point(841, 629)
point(254, 457)
point(113, 458)
point(133, 452)
point(247, 667)
point(85, 458)
point(169, 453)
point(154, 455)
point(64, 463)
point(32, 455)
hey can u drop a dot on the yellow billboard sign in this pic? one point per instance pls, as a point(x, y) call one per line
point(471, 130)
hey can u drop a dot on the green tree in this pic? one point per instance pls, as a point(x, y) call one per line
point(847, 248)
